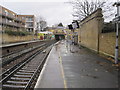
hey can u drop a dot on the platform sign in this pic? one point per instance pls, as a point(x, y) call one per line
point(74, 25)
point(117, 19)
point(118, 9)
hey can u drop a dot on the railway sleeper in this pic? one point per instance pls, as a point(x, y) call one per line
point(23, 76)
point(26, 67)
point(20, 78)
point(8, 59)
point(30, 69)
point(17, 82)
point(13, 86)
point(24, 73)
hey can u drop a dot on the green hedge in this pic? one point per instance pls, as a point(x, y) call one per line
point(17, 33)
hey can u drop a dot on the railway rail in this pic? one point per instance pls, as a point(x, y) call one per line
point(21, 54)
point(24, 74)
point(16, 47)
point(18, 60)
point(8, 58)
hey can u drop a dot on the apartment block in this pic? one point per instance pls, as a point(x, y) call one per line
point(29, 22)
point(9, 20)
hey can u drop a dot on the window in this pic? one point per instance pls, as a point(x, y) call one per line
point(29, 19)
point(29, 24)
point(23, 18)
point(6, 12)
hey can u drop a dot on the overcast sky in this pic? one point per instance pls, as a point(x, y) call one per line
point(53, 11)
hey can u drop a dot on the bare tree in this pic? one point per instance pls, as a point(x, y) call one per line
point(41, 23)
point(83, 8)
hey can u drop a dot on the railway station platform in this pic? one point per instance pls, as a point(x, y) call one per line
point(69, 66)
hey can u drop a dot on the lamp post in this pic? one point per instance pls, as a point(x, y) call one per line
point(117, 20)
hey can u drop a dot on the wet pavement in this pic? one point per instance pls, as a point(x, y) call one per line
point(78, 68)
point(51, 76)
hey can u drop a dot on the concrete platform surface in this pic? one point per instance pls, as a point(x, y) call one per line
point(51, 76)
point(69, 66)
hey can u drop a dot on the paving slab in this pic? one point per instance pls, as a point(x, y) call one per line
point(69, 66)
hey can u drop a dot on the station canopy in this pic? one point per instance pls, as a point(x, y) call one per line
point(46, 32)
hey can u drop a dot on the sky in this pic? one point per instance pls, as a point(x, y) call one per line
point(53, 11)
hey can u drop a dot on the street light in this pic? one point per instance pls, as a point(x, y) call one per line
point(117, 20)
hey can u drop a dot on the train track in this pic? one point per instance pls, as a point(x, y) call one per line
point(11, 52)
point(16, 47)
point(24, 75)
point(18, 60)
point(7, 59)
point(12, 59)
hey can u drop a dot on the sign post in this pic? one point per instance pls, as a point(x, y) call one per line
point(117, 20)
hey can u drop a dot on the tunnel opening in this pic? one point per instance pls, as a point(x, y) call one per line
point(59, 37)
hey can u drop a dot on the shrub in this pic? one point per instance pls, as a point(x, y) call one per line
point(16, 33)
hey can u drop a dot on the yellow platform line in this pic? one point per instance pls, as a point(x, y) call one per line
point(62, 71)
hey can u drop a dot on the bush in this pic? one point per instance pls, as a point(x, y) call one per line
point(17, 33)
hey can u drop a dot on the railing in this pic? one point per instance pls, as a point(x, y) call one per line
point(29, 21)
point(20, 25)
point(10, 16)
point(4, 21)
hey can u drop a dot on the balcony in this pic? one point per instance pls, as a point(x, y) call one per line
point(18, 19)
point(10, 15)
point(29, 26)
point(11, 23)
point(20, 25)
point(29, 21)
point(3, 21)
point(6, 22)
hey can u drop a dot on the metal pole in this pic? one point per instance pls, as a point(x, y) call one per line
point(117, 27)
point(117, 47)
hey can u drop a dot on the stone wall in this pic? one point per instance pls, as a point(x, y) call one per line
point(90, 28)
point(11, 39)
point(107, 43)
point(90, 35)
